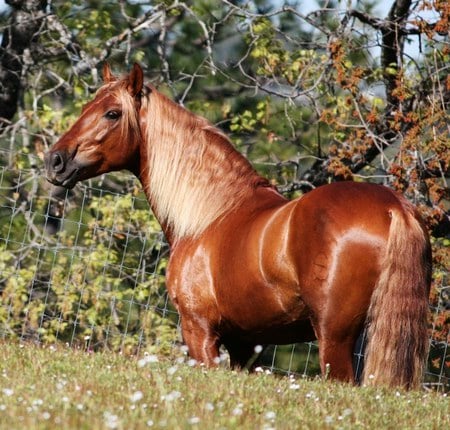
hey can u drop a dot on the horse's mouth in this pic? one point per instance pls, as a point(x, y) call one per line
point(67, 182)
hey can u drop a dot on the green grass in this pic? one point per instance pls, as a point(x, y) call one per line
point(54, 388)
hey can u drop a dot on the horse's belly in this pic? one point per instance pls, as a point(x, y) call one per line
point(265, 310)
point(297, 331)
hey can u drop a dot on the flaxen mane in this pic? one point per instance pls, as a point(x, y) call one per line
point(195, 174)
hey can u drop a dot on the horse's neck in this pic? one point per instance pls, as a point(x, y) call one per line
point(193, 175)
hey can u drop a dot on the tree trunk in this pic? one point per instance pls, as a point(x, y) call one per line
point(392, 48)
point(25, 21)
point(392, 30)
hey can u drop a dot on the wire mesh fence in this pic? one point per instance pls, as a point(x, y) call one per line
point(86, 267)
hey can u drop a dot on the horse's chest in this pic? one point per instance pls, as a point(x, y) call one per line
point(190, 282)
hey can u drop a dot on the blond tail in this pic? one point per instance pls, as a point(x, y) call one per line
point(397, 319)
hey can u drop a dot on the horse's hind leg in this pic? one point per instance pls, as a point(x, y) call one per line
point(340, 318)
point(336, 344)
point(336, 358)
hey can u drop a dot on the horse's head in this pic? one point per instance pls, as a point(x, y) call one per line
point(105, 137)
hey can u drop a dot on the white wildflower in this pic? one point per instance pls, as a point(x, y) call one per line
point(111, 420)
point(61, 384)
point(194, 420)
point(173, 395)
point(136, 396)
point(238, 410)
point(328, 419)
point(147, 359)
point(270, 415)
point(209, 406)
point(171, 370)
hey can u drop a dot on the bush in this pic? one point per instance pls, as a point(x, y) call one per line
point(98, 285)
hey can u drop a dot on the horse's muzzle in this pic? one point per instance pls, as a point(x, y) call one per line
point(60, 170)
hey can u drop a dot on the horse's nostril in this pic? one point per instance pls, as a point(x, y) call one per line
point(57, 162)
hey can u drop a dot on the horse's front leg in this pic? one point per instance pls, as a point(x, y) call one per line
point(190, 285)
point(202, 342)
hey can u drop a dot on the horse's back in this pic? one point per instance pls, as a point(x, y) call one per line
point(346, 204)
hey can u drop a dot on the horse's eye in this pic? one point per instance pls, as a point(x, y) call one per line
point(113, 114)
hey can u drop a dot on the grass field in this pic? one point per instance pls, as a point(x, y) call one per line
point(53, 388)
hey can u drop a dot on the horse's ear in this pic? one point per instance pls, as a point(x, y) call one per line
point(107, 75)
point(135, 80)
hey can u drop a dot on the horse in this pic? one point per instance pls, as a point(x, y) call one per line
point(247, 266)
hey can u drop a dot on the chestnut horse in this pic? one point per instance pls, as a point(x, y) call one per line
point(247, 266)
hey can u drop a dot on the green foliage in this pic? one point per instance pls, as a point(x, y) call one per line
point(91, 289)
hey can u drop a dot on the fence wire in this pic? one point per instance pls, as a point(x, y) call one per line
point(86, 267)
